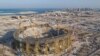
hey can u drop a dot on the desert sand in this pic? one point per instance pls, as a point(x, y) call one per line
point(86, 26)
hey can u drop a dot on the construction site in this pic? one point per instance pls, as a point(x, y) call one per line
point(42, 39)
point(36, 38)
point(50, 34)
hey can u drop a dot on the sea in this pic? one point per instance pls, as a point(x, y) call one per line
point(25, 11)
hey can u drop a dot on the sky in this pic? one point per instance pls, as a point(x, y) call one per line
point(49, 3)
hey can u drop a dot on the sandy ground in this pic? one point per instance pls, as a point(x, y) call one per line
point(86, 27)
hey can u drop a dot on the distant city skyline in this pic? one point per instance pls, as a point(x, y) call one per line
point(49, 3)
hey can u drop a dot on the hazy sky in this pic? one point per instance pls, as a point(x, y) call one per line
point(49, 3)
